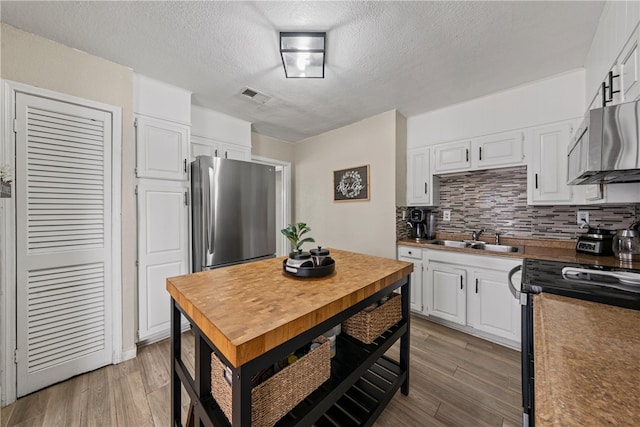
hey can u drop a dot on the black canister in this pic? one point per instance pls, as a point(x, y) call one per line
point(320, 256)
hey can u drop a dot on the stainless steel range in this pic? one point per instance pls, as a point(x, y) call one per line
point(617, 286)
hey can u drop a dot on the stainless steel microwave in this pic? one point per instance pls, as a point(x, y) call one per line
point(606, 146)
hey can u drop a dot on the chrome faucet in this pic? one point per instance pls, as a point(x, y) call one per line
point(475, 235)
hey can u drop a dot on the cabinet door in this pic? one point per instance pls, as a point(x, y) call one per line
point(629, 86)
point(549, 164)
point(161, 149)
point(416, 302)
point(446, 292)
point(497, 150)
point(203, 147)
point(452, 157)
point(418, 175)
point(162, 251)
point(490, 305)
point(235, 152)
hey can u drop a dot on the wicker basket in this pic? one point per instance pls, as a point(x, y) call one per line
point(367, 326)
point(279, 394)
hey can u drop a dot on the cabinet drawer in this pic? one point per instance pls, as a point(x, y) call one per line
point(409, 252)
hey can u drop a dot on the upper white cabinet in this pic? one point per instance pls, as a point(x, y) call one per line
point(414, 255)
point(161, 149)
point(452, 157)
point(499, 150)
point(422, 186)
point(210, 147)
point(628, 70)
point(547, 175)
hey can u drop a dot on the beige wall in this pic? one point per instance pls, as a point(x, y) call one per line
point(361, 226)
point(33, 60)
point(271, 148)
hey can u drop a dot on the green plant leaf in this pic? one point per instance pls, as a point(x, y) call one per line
point(303, 241)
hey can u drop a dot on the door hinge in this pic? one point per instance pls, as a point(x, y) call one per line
point(136, 190)
point(185, 165)
point(137, 263)
point(15, 356)
point(186, 198)
point(135, 122)
point(136, 170)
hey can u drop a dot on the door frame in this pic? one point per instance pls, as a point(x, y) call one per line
point(286, 195)
point(8, 369)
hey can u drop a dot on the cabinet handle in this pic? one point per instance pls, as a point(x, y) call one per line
point(215, 153)
point(225, 155)
point(611, 91)
point(480, 149)
point(476, 286)
point(185, 165)
point(536, 181)
point(409, 252)
point(186, 198)
point(467, 152)
point(426, 188)
point(604, 94)
point(460, 282)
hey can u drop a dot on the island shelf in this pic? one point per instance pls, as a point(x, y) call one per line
point(363, 379)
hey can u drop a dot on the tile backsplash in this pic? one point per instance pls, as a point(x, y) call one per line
point(497, 201)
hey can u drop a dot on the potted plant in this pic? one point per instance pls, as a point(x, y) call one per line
point(294, 233)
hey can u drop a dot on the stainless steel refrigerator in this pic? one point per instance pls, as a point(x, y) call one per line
point(233, 212)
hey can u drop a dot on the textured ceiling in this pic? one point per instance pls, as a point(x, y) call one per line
point(411, 56)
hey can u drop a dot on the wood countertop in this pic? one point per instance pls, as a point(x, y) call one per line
point(551, 250)
point(248, 309)
point(587, 366)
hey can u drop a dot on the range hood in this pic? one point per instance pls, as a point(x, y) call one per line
point(606, 147)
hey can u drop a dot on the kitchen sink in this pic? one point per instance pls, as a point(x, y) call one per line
point(449, 243)
point(472, 244)
point(495, 248)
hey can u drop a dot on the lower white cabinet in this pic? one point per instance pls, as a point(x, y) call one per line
point(446, 292)
point(472, 291)
point(162, 251)
point(490, 305)
point(414, 255)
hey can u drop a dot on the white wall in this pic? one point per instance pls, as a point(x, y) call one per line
point(161, 100)
point(360, 226)
point(271, 148)
point(556, 98)
point(211, 124)
point(33, 60)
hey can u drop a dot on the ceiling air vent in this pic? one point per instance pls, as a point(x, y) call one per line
point(254, 95)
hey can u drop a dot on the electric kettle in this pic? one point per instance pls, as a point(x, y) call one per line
point(626, 244)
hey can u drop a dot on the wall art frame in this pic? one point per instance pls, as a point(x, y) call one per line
point(352, 184)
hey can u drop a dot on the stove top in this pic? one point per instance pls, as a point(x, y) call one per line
point(609, 285)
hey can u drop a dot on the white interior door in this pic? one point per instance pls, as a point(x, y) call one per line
point(63, 245)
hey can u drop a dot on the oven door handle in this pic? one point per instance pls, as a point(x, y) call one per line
point(515, 292)
point(626, 278)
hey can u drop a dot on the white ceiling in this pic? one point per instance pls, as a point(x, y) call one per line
point(411, 56)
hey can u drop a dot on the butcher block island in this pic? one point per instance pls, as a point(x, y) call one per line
point(251, 316)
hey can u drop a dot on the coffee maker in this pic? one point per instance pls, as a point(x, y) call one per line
point(422, 224)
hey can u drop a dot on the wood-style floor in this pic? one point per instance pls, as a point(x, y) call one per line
point(456, 380)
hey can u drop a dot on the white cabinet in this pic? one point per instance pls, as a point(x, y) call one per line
point(490, 305)
point(210, 147)
point(502, 149)
point(422, 186)
point(451, 157)
point(471, 293)
point(414, 255)
point(628, 71)
point(162, 251)
point(547, 174)
point(446, 292)
point(486, 152)
point(161, 149)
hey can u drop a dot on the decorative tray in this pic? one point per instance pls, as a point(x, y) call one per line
point(321, 271)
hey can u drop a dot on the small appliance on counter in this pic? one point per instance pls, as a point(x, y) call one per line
point(422, 224)
point(315, 263)
point(596, 241)
point(626, 243)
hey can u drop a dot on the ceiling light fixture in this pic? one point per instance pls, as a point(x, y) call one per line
point(303, 54)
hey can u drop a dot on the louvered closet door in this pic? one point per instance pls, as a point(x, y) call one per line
point(63, 225)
